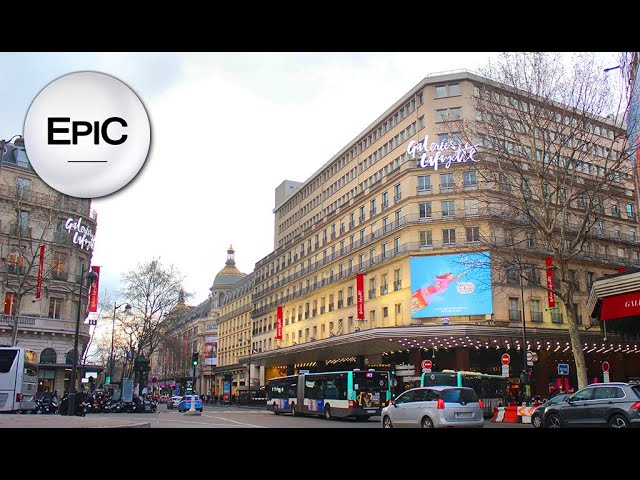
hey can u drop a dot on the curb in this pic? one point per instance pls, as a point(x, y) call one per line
point(133, 425)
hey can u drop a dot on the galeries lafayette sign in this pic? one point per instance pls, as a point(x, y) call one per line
point(82, 234)
point(431, 154)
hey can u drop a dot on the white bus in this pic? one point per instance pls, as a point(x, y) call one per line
point(346, 394)
point(18, 379)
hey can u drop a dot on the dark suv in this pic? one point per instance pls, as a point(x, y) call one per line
point(615, 405)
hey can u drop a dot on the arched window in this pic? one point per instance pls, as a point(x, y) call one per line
point(48, 355)
point(69, 358)
point(220, 299)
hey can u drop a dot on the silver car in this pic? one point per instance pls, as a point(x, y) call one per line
point(434, 407)
point(173, 402)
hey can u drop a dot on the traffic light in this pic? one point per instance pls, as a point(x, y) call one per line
point(194, 359)
point(392, 370)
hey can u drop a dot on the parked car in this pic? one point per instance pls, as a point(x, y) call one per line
point(185, 404)
point(538, 414)
point(614, 404)
point(434, 407)
point(174, 401)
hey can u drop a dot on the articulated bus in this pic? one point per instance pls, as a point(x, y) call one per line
point(18, 379)
point(347, 394)
point(491, 389)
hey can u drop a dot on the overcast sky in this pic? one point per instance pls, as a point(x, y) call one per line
point(227, 129)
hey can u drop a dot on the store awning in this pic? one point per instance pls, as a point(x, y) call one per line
point(620, 306)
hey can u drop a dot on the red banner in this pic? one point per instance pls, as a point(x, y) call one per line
point(279, 323)
point(360, 295)
point(40, 268)
point(93, 291)
point(550, 283)
point(620, 306)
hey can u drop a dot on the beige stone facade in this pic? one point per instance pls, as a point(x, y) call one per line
point(33, 214)
point(371, 208)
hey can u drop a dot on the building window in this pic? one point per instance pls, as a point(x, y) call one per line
point(397, 280)
point(396, 245)
point(448, 236)
point(397, 193)
point(10, 303)
point(55, 307)
point(426, 238)
point(446, 182)
point(424, 183)
point(450, 90)
point(372, 288)
point(470, 207)
point(470, 179)
point(22, 185)
point(385, 200)
point(536, 315)
point(385, 312)
point(48, 355)
point(425, 210)
point(473, 234)
point(514, 309)
point(556, 316)
point(512, 276)
point(448, 208)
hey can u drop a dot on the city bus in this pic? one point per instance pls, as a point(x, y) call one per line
point(356, 394)
point(491, 389)
point(18, 379)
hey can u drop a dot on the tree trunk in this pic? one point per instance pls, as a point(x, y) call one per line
point(576, 348)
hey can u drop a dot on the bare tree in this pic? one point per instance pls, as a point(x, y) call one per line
point(152, 290)
point(555, 154)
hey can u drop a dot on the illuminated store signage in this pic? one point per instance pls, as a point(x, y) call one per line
point(82, 234)
point(431, 154)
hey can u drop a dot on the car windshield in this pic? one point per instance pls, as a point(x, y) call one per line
point(459, 395)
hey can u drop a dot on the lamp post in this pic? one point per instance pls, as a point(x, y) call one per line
point(91, 277)
point(113, 329)
point(19, 142)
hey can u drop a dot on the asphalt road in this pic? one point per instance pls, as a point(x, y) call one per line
point(211, 417)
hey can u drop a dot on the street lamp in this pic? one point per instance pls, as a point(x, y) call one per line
point(91, 277)
point(113, 329)
point(19, 142)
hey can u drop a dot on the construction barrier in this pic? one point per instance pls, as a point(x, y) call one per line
point(506, 414)
point(525, 414)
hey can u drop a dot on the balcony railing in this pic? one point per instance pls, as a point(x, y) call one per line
point(515, 315)
point(536, 317)
point(397, 285)
point(372, 293)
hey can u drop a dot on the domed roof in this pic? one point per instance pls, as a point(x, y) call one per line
point(229, 275)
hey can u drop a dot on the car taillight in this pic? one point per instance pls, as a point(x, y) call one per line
point(352, 404)
point(440, 403)
point(19, 397)
point(636, 406)
point(480, 402)
point(389, 402)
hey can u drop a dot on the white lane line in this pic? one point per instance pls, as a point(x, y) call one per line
point(239, 423)
point(203, 424)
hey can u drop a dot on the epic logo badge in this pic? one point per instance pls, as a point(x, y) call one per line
point(87, 134)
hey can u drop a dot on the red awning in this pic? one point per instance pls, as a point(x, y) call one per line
point(620, 306)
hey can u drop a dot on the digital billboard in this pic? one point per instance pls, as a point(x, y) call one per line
point(450, 285)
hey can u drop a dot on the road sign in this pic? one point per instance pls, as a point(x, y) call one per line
point(505, 359)
point(505, 370)
point(563, 369)
point(605, 366)
point(427, 364)
point(529, 356)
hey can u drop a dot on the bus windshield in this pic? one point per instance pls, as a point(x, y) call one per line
point(439, 378)
point(370, 381)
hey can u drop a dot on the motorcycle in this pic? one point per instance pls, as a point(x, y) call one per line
point(79, 407)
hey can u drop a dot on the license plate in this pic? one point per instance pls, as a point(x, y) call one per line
point(370, 410)
point(464, 414)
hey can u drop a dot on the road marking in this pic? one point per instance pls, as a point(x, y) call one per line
point(202, 424)
point(239, 423)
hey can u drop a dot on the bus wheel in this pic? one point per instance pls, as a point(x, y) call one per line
point(275, 411)
point(327, 412)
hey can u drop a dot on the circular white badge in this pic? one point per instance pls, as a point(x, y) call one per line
point(87, 134)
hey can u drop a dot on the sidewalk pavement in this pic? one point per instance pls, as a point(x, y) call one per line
point(14, 420)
